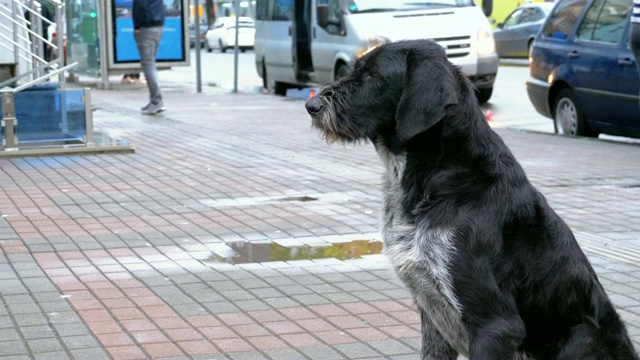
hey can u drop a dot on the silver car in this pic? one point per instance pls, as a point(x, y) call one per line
point(514, 37)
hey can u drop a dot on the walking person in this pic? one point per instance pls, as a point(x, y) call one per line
point(634, 33)
point(148, 22)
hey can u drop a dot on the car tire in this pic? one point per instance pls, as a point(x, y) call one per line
point(222, 48)
point(342, 71)
point(209, 49)
point(483, 95)
point(568, 118)
point(273, 87)
point(243, 49)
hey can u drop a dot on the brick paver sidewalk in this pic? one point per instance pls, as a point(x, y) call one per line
point(126, 256)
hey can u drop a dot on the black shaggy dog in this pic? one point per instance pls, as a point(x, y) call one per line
point(493, 269)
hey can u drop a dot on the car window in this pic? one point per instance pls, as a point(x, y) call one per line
point(605, 21)
point(563, 18)
point(528, 15)
point(585, 31)
point(513, 18)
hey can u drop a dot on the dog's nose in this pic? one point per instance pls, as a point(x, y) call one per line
point(314, 105)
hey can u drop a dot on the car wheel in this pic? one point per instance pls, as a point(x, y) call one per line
point(273, 87)
point(484, 95)
point(568, 118)
point(222, 48)
point(342, 71)
point(209, 49)
point(243, 49)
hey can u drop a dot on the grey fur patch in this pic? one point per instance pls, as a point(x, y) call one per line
point(421, 256)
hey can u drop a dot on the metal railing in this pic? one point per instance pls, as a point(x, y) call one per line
point(31, 49)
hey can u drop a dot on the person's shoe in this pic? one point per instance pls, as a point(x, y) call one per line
point(145, 107)
point(153, 109)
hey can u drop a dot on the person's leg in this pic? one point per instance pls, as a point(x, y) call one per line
point(147, 40)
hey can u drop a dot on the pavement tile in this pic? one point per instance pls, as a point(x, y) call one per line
point(357, 351)
point(197, 347)
point(266, 342)
point(131, 352)
point(390, 347)
point(44, 345)
point(217, 332)
point(115, 339)
point(334, 337)
point(162, 350)
point(233, 345)
point(321, 352)
point(250, 330)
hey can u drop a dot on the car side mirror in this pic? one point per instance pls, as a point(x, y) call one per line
point(500, 25)
point(487, 7)
point(322, 11)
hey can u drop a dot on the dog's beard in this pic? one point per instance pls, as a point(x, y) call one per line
point(332, 128)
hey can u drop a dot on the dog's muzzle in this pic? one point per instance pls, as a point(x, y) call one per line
point(314, 106)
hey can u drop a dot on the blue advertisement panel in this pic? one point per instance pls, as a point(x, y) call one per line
point(171, 44)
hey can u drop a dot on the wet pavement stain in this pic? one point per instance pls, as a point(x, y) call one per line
point(246, 252)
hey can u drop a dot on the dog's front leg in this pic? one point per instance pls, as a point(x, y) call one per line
point(497, 337)
point(434, 346)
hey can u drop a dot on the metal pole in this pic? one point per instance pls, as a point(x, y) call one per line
point(236, 49)
point(9, 121)
point(197, 49)
point(60, 41)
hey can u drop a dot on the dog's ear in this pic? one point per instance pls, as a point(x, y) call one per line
point(429, 87)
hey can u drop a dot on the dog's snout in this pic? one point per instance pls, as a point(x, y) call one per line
point(314, 105)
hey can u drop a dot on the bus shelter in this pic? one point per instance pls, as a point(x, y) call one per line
point(100, 37)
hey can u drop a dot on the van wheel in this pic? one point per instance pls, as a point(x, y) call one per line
point(222, 48)
point(568, 118)
point(484, 95)
point(209, 49)
point(342, 71)
point(273, 87)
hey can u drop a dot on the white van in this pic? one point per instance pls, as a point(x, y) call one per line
point(311, 42)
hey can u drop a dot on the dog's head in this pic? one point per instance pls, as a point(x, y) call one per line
point(401, 88)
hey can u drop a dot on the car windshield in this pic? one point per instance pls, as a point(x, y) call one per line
point(367, 6)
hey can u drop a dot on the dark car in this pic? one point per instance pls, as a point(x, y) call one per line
point(583, 74)
point(192, 34)
point(514, 37)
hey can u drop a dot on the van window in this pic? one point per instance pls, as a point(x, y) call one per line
point(262, 10)
point(283, 10)
point(563, 18)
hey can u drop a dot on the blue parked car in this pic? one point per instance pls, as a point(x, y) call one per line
point(583, 74)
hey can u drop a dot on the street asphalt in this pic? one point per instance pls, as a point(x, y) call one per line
point(234, 232)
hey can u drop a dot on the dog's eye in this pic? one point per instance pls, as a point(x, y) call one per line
point(372, 74)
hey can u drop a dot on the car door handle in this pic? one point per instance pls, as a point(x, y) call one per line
point(573, 55)
point(625, 62)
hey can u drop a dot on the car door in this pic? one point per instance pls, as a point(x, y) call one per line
point(326, 42)
point(522, 31)
point(627, 81)
point(504, 38)
point(595, 62)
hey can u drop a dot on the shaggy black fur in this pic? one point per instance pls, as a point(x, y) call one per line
point(474, 241)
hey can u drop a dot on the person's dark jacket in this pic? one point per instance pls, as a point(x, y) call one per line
point(148, 13)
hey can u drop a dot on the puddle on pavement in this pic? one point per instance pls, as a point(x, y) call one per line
point(246, 252)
